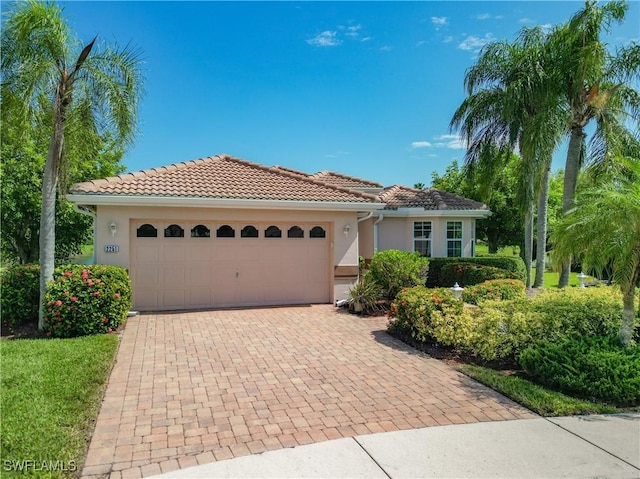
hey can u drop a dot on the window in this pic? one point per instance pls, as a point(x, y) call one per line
point(249, 232)
point(147, 231)
point(272, 232)
point(422, 237)
point(295, 232)
point(317, 232)
point(200, 231)
point(225, 231)
point(454, 238)
point(173, 231)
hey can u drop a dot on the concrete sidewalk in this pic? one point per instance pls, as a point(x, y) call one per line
point(603, 446)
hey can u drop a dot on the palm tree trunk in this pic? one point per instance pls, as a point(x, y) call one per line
point(541, 250)
point(628, 316)
point(48, 211)
point(572, 168)
point(528, 241)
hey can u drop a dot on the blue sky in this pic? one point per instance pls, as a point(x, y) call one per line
point(363, 88)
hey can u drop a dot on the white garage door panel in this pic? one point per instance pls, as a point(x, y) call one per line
point(181, 273)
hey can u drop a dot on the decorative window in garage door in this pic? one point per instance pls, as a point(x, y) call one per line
point(273, 232)
point(147, 231)
point(295, 232)
point(200, 231)
point(249, 232)
point(174, 231)
point(226, 231)
point(317, 232)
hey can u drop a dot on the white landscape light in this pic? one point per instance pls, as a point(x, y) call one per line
point(113, 227)
point(457, 291)
point(582, 278)
point(346, 229)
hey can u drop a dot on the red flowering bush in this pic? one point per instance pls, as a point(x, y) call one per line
point(83, 300)
point(411, 311)
point(20, 294)
point(497, 289)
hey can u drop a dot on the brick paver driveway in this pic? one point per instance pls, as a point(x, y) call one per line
point(190, 388)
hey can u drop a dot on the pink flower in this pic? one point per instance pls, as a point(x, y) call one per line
point(89, 282)
point(116, 295)
point(110, 330)
point(48, 334)
point(58, 303)
point(96, 293)
point(105, 320)
point(74, 299)
point(85, 274)
point(66, 293)
point(68, 273)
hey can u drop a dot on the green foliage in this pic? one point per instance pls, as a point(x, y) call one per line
point(394, 270)
point(20, 294)
point(364, 296)
point(591, 367)
point(576, 312)
point(512, 264)
point(533, 396)
point(412, 310)
point(504, 226)
point(497, 289)
point(468, 274)
point(51, 395)
point(83, 300)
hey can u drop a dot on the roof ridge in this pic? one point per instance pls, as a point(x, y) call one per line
point(348, 177)
point(311, 179)
point(291, 170)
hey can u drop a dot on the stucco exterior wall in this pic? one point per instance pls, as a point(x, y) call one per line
point(397, 233)
point(365, 238)
point(344, 248)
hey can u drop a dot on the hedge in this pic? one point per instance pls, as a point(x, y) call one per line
point(468, 274)
point(513, 264)
point(20, 294)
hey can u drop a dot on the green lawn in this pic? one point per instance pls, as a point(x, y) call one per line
point(532, 396)
point(50, 396)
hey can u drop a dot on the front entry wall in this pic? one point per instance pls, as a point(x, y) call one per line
point(217, 271)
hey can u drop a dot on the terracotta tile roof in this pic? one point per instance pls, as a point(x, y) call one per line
point(222, 176)
point(345, 181)
point(398, 196)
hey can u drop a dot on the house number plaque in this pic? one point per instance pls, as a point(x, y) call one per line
point(111, 248)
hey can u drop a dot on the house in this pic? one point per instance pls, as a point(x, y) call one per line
point(221, 231)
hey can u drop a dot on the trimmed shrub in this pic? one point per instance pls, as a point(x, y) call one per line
point(512, 264)
point(468, 274)
point(497, 289)
point(594, 368)
point(20, 294)
point(413, 307)
point(84, 300)
point(577, 312)
point(489, 333)
point(394, 270)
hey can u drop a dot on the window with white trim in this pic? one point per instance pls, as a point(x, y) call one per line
point(454, 239)
point(422, 237)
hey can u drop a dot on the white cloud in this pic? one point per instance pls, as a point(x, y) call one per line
point(448, 39)
point(488, 16)
point(420, 144)
point(452, 142)
point(420, 43)
point(439, 21)
point(385, 48)
point(325, 39)
point(474, 44)
point(365, 39)
point(352, 31)
point(526, 20)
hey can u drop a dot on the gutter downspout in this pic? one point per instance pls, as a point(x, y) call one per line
point(375, 232)
point(88, 212)
point(366, 217)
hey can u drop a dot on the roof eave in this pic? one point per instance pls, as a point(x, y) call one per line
point(421, 212)
point(191, 202)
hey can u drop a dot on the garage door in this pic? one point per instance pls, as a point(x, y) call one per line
point(181, 265)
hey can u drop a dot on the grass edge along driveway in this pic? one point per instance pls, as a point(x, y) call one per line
point(50, 393)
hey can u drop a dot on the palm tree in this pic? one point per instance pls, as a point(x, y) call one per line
point(594, 85)
point(100, 90)
point(600, 239)
point(509, 106)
